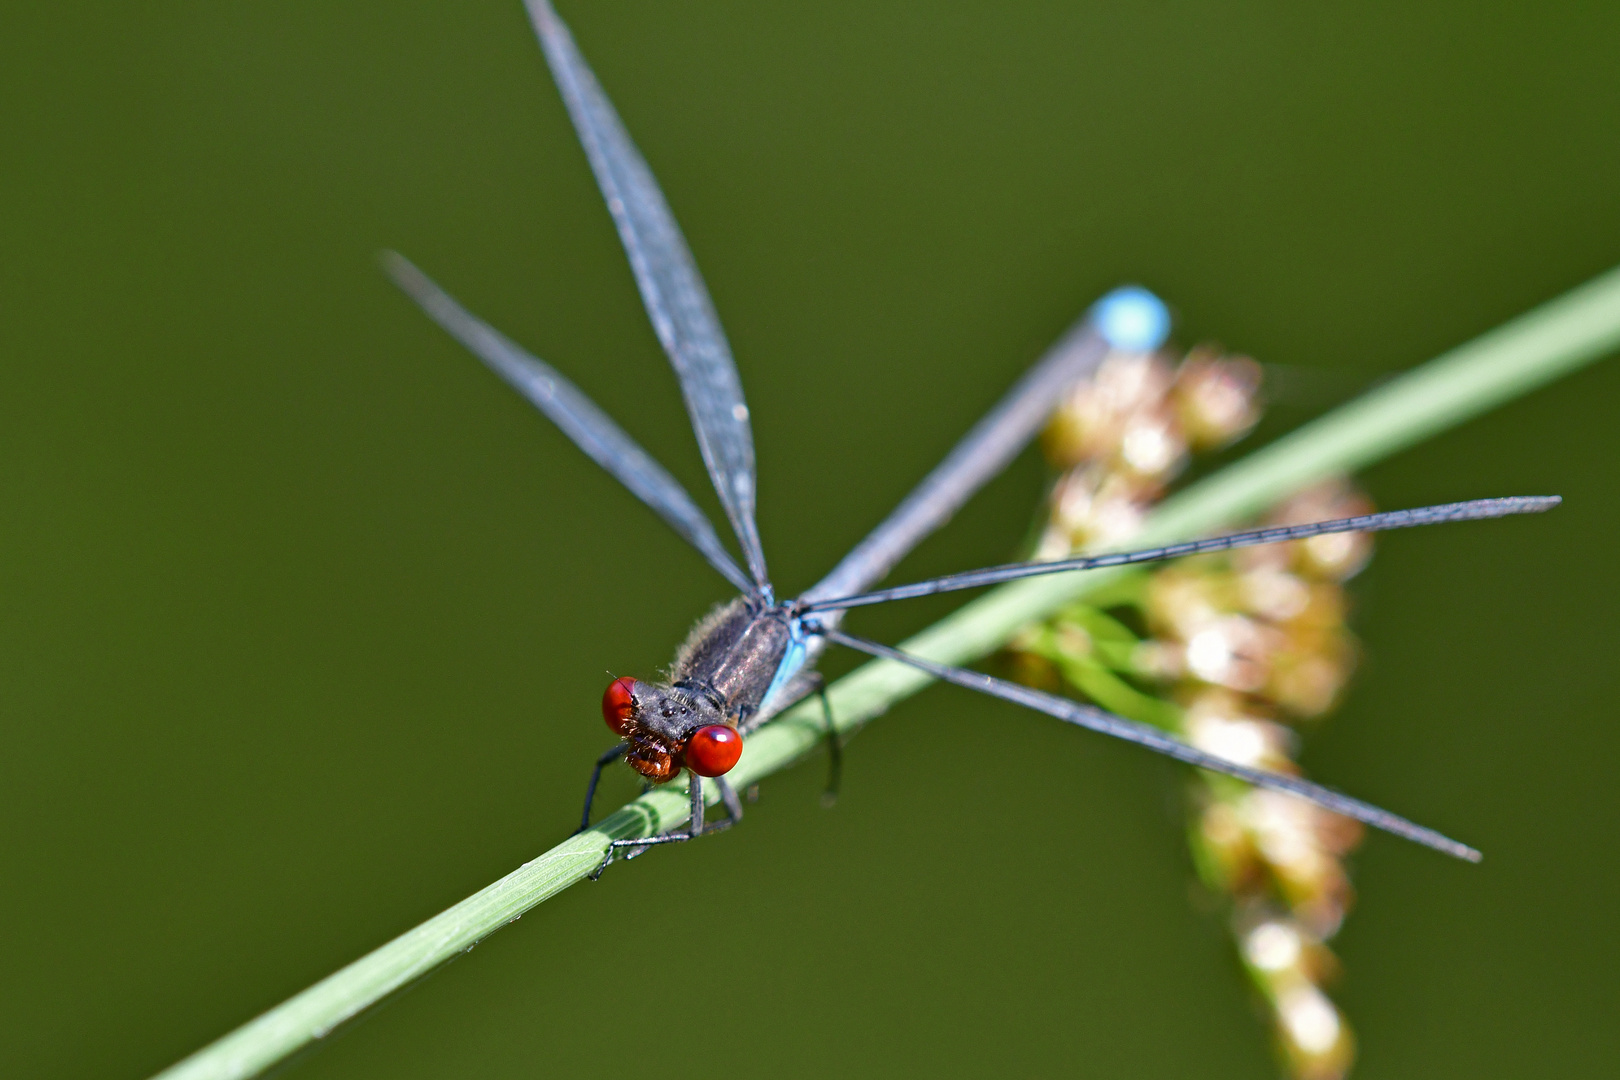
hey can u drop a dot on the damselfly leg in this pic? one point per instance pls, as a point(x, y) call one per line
point(835, 746)
point(607, 758)
point(695, 827)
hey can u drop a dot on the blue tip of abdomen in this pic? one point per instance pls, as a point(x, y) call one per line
point(1132, 319)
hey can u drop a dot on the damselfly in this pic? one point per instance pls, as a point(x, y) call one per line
point(752, 658)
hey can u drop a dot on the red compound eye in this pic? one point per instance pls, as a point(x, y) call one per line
point(618, 703)
point(713, 750)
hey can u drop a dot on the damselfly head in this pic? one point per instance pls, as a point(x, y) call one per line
point(667, 730)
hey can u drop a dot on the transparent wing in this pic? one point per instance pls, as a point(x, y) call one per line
point(1107, 723)
point(1130, 319)
point(671, 288)
point(1394, 519)
point(571, 410)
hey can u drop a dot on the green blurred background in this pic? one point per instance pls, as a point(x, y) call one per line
point(304, 617)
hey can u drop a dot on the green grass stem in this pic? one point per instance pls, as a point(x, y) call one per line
point(1533, 349)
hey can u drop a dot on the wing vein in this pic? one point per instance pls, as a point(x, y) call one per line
point(1472, 510)
point(1106, 723)
point(579, 418)
point(672, 290)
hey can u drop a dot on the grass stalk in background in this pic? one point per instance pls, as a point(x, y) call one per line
point(1533, 349)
